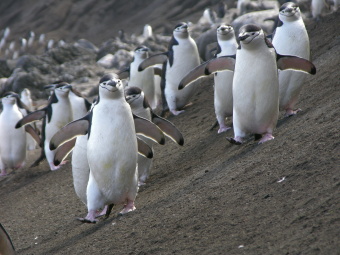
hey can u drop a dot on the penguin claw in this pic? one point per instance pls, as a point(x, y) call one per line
point(233, 141)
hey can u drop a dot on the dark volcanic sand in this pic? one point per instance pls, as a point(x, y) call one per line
point(208, 197)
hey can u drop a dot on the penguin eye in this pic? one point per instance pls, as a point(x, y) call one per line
point(104, 83)
point(253, 33)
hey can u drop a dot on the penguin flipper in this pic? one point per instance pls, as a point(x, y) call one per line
point(70, 131)
point(29, 129)
point(169, 129)
point(153, 60)
point(6, 245)
point(31, 117)
point(292, 62)
point(63, 151)
point(193, 75)
point(124, 74)
point(220, 64)
point(144, 149)
point(148, 129)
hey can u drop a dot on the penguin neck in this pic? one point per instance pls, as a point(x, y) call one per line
point(9, 106)
point(228, 47)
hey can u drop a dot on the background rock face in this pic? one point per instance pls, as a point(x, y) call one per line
point(207, 197)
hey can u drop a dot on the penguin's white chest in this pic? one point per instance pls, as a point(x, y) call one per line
point(112, 149)
point(185, 58)
point(61, 115)
point(255, 90)
point(292, 39)
point(12, 141)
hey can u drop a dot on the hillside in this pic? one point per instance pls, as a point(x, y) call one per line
point(207, 197)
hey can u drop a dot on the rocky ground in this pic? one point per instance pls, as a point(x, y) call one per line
point(207, 197)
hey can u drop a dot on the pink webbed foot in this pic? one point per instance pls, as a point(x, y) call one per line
point(53, 167)
point(175, 112)
point(129, 207)
point(223, 129)
point(290, 112)
point(265, 138)
point(102, 213)
point(237, 140)
point(90, 217)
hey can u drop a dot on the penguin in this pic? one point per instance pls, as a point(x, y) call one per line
point(316, 8)
point(55, 115)
point(13, 141)
point(80, 166)
point(143, 79)
point(181, 57)
point(25, 97)
point(291, 38)
point(147, 32)
point(112, 148)
point(140, 107)
point(6, 245)
point(223, 81)
point(255, 83)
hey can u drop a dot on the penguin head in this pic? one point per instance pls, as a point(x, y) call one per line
point(289, 12)
point(251, 35)
point(141, 52)
point(225, 32)
point(111, 87)
point(26, 93)
point(135, 97)
point(181, 30)
point(10, 98)
point(62, 89)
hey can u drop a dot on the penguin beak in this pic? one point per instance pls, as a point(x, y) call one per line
point(49, 86)
point(243, 37)
point(112, 83)
point(67, 86)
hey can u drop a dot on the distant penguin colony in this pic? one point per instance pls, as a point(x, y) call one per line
point(111, 141)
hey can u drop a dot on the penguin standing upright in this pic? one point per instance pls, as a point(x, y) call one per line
point(255, 83)
point(144, 79)
point(12, 140)
point(291, 38)
point(223, 81)
point(25, 97)
point(55, 115)
point(181, 57)
point(111, 148)
point(140, 107)
point(223, 93)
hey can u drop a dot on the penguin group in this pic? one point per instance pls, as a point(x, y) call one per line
point(112, 139)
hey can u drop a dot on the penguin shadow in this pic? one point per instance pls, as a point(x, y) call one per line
point(90, 230)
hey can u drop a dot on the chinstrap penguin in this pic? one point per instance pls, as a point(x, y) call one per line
point(181, 57)
point(55, 115)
